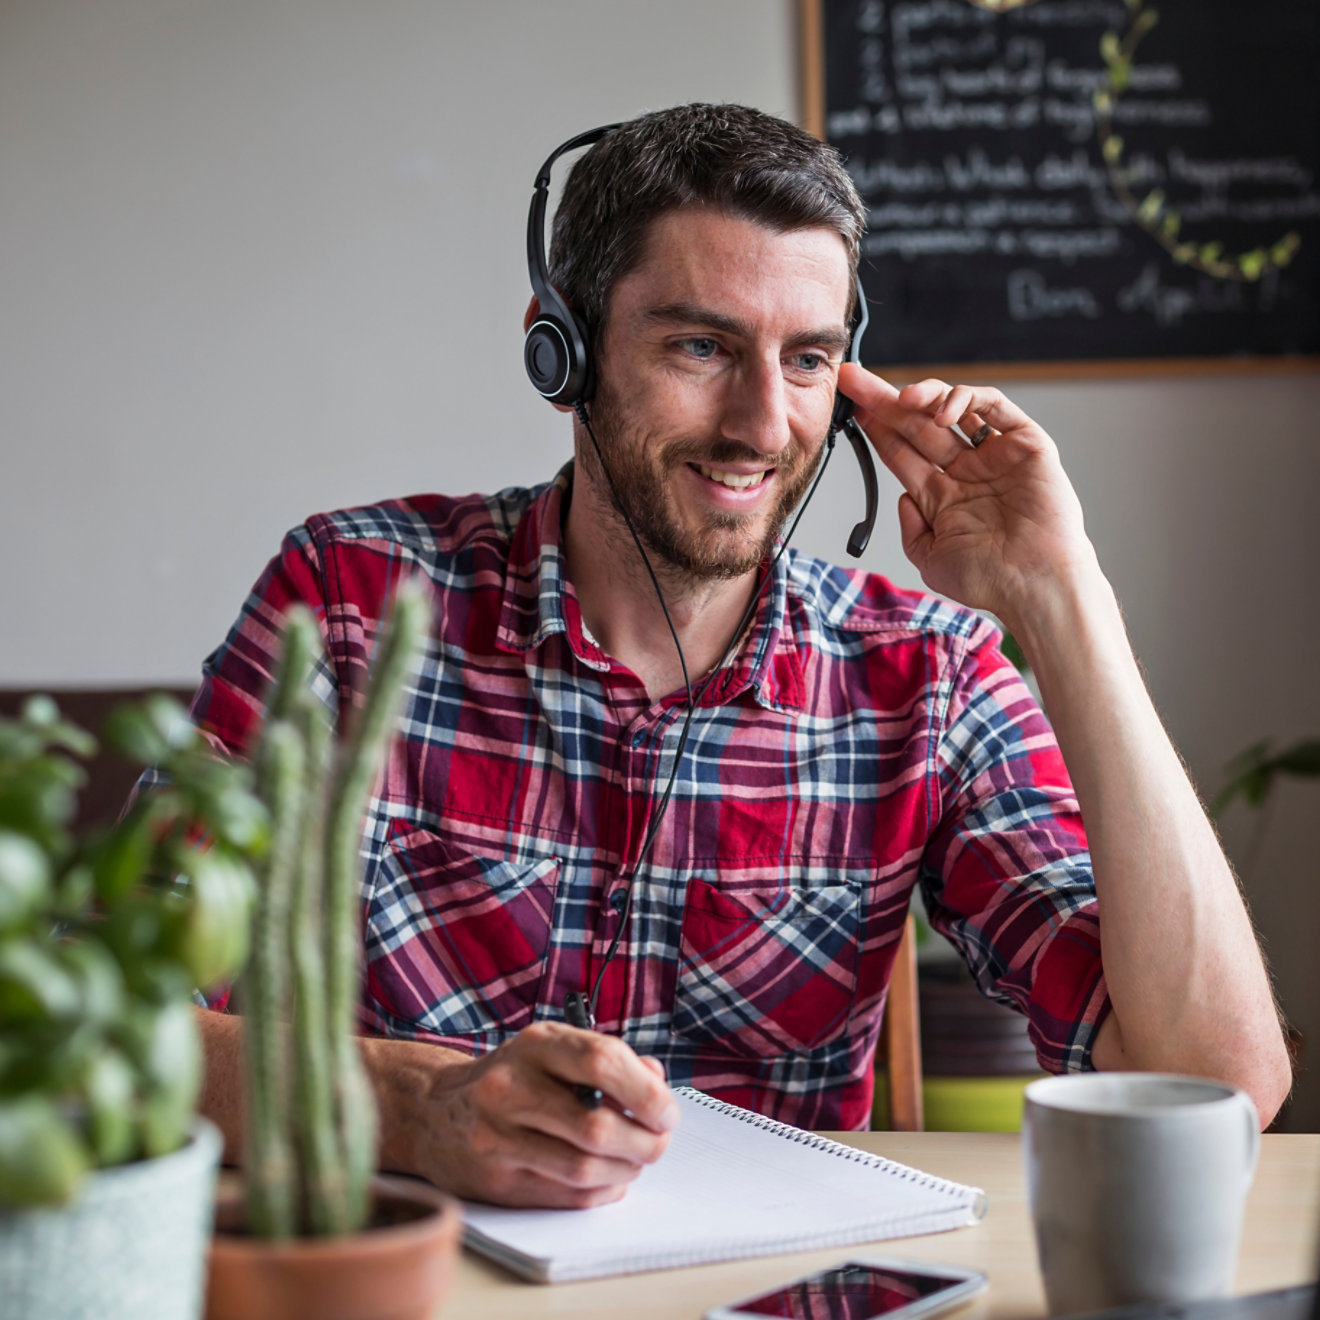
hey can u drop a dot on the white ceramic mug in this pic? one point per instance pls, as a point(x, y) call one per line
point(1136, 1183)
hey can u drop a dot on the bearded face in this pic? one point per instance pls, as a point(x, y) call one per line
point(646, 467)
point(716, 371)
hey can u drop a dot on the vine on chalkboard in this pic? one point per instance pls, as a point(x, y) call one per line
point(1153, 212)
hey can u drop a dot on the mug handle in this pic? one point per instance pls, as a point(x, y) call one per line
point(1253, 1135)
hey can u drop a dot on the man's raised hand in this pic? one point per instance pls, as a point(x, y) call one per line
point(989, 526)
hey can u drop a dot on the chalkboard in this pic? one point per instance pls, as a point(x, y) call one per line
point(1078, 181)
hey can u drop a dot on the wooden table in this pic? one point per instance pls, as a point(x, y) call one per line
point(1281, 1242)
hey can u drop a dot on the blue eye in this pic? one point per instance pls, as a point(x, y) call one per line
point(812, 361)
point(701, 348)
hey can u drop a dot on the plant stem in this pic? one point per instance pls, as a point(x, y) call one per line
point(271, 1200)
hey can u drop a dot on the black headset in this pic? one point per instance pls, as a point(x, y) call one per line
point(557, 349)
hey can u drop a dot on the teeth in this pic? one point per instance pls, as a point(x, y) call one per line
point(734, 480)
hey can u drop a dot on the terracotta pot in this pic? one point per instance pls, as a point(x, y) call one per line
point(402, 1270)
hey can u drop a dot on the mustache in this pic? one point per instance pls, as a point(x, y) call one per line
point(712, 453)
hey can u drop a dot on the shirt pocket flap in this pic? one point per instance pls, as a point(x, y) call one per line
point(457, 943)
point(767, 970)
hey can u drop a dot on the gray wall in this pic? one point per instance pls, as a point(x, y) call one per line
point(263, 258)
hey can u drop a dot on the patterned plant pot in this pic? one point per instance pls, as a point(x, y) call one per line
point(131, 1246)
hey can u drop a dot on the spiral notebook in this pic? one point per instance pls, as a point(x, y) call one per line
point(732, 1184)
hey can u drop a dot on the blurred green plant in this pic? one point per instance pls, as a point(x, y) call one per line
point(1253, 776)
point(104, 937)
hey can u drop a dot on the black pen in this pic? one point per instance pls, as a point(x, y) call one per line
point(577, 1011)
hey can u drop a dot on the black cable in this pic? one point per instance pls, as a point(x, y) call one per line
point(692, 702)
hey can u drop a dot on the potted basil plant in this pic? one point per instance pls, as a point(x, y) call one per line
point(106, 1176)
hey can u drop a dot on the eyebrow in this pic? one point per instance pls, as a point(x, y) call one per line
point(832, 337)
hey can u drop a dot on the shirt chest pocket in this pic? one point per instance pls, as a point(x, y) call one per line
point(767, 969)
point(457, 943)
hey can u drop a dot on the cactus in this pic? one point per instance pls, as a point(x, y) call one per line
point(309, 1162)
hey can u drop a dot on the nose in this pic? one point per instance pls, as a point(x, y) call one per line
point(756, 406)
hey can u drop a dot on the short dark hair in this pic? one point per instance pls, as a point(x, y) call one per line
point(729, 157)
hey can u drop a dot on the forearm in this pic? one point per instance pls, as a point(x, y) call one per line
point(1185, 976)
point(403, 1076)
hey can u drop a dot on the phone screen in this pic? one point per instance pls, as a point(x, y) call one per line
point(851, 1292)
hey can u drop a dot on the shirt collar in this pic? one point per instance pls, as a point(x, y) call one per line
point(539, 601)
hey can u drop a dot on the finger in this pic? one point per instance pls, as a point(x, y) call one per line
point(543, 1170)
point(916, 473)
point(606, 1062)
point(989, 403)
point(914, 530)
point(864, 388)
point(655, 1065)
point(605, 1131)
point(590, 1058)
point(915, 411)
point(974, 429)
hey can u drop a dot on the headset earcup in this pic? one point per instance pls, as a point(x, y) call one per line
point(557, 360)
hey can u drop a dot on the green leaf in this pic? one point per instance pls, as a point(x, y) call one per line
point(98, 977)
point(171, 1062)
point(1151, 204)
point(42, 1158)
point(38, 797)
point(33, 984)
point(214, 936)
point(121, 858)
point(41, 715)
point(25, 880)
point(1013, 653)
point(1302, 759)
point(110, 1086)
point(237, 817)
point(149, 730)
point(1252, 263)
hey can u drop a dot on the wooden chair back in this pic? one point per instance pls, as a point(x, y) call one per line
point(899, 1050)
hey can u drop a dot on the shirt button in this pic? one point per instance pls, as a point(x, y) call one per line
point(618, 898)
point(638, 737)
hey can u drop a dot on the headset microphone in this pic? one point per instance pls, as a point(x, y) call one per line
point(842, 420)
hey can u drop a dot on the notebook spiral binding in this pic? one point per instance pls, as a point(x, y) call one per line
point(832, 1147)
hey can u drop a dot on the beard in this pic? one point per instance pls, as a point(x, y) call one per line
point(643, 466)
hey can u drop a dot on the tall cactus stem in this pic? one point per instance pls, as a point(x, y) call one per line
point(364, 753)
point(324, 1197)
point(269, 1157)
point(301, 646)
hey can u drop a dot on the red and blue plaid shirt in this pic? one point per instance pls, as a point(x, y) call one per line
point(863, 741)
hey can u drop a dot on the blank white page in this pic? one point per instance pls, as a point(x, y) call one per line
point(731, 1184)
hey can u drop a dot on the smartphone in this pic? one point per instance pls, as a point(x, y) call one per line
point(863, 1288)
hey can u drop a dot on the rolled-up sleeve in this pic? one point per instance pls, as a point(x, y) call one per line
point(1006, 875)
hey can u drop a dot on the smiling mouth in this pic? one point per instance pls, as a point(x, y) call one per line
point(734, 480)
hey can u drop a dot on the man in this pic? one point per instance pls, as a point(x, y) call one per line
point(735, 910)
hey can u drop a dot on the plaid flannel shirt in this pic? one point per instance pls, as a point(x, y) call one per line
point(864, 740)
